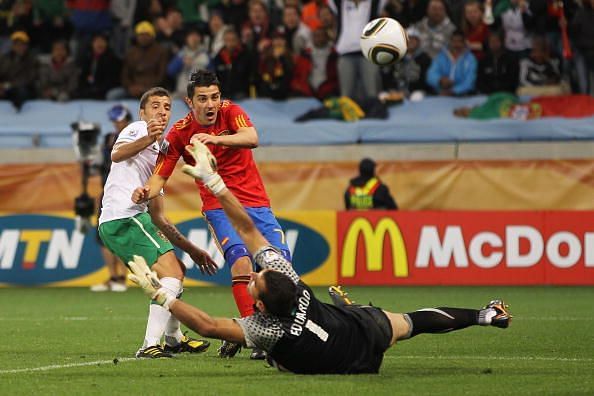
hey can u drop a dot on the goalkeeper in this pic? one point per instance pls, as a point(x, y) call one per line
point(300, 333)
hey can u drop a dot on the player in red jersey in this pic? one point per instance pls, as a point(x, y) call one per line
point(230, 135)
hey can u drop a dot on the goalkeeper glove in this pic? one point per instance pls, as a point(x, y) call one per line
point(205, 168)
point(143, 277)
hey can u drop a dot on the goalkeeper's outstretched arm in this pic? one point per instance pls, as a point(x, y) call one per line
point(194, 318)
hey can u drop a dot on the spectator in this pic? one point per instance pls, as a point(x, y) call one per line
point(145, 64)
point(498, 70)
point(233, 66)
point(234, 12)
point(515, 18)
point(366, 191)
point(310, 14)
point(216, 27)
point(148, 10)
point(50, 22)
point(475, 30)
point(410, 74)
point(58, 75)
point(359, 79)
point(193, 56)
point(275, 69)
point(582, 34)
point(121, 32)
point(194, 13)
point(453, 70)
point(315, 71)
point(120, 117)
point(539, 73)
point(21, 15)
point(296, 33)
point(18, 71)
point(170, 31)
point(88, 18)
point(100, 70)
point(257, 27)
point(328, 22)
point(435, 29)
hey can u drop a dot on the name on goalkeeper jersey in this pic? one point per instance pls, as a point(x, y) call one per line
point(301, 314)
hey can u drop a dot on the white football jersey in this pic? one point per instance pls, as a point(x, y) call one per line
point(124, 177)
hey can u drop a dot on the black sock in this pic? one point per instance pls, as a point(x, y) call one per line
point(442, 319)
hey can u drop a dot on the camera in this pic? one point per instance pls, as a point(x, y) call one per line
point(85, 137)
point(86, 147)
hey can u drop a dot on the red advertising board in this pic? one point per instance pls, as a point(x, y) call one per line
point(466, 248)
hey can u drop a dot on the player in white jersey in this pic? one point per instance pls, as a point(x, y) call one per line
point(127, 228)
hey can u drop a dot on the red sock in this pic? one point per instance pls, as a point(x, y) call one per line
point(243, 300)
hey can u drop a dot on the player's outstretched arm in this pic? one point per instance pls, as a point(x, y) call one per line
point(200, 257)
point(194, 318)
point(205, 171)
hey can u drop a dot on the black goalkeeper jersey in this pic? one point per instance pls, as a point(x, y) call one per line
point(318, 338)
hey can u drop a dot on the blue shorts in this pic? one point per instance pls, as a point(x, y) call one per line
point(231, 244)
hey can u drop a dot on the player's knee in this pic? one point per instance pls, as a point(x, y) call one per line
point(239, 260)
point(168, 265)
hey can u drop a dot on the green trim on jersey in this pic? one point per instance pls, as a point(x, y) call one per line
point(134, 236)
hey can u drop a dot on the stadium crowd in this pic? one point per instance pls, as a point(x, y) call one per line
point(101, 49)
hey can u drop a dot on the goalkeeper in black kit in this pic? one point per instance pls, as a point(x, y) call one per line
point(299, 333)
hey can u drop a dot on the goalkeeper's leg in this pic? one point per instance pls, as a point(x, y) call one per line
point(446, 319)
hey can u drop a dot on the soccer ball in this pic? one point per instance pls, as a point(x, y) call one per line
point(384, 41)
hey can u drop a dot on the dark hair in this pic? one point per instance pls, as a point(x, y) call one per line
point(279, 296)
point(154, 91)
point(201, 78)
point(367, 167)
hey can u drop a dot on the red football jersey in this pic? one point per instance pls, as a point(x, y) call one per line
point(235, 165)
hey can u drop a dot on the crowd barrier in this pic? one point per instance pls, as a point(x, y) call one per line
point(47, 124)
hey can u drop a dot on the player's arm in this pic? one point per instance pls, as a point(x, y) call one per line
point(125, 150)
point(199, 256)
point(246, 137)
point(205, 325)
point(150, 190)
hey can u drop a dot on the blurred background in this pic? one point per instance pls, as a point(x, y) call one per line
point(482, 135)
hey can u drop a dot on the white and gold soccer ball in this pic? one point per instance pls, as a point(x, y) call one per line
point(384, 41)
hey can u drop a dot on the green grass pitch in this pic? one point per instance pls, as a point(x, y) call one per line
point(64, 341)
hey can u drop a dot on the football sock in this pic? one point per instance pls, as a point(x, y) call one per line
point(243, 300)
point(159, 316)
point(173, 334)
point(441, 320)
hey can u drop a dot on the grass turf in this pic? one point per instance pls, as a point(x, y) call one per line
point(64, 341)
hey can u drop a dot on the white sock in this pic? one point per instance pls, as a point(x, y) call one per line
point(486, 316)
point(159, 316)
point(173, 334)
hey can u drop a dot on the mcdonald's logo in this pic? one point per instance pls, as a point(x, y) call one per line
point(374, 247)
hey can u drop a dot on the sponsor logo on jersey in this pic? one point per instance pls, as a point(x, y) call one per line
point(164, 146)
point(38, 249)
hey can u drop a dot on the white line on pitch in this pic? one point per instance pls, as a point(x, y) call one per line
point(528, 358)
point(61, 366)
